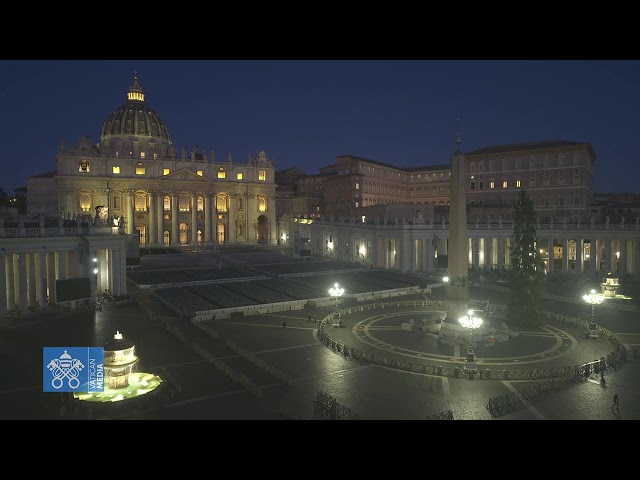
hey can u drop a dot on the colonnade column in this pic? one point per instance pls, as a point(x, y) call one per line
point(607, 256)
point(475, 247)
point(174, 219)
point(131, 224)
point(22, 282)
point(622, 264)
point(593, 249)
point(51, 275)
point(500, 253)
point(11, 284)
point(42, 279)
point(579, 255)
point(565, 255)
point(116, 272)
point(32, 284)
point(3, 278)
point(550, 254)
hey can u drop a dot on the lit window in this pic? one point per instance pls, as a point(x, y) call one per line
point(140, 170)
point(115, 169)
point(117, 154)
point(357, 186)
point(221, 203)
point(85, 202)
point(239, 176)
point(492, 184)
point(199, 172)
point(222, 174)
point(155, 156)
point(517, 183)
point(262, 204)
point(357, 204)
point(141, 154)
point(505, 184)
point(262, 175)
point(141, 202)
point(167, 203)
point(200, 204)
point(183, 203)
point(166, 171)
point(84, 166)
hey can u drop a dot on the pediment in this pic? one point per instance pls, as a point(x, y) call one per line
point(183, 175)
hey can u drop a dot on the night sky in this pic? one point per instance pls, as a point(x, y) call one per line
point(305, 113)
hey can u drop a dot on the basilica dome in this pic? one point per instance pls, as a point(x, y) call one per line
point(135, 118)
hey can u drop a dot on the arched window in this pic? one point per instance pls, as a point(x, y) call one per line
point(221, 203)
point(200, 204)
point(183, 202)
point(239, 203)
point(167, 203)
point(140, 202)
point(165, 238)
point(85, 202)
point(183, 233)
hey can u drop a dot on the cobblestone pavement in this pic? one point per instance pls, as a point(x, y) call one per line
point(196, 389)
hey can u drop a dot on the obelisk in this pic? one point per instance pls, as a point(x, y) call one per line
point(458, 261)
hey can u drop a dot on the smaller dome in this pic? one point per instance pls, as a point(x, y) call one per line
point(135, 117)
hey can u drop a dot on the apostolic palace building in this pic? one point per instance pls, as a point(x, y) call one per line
point(133, 188)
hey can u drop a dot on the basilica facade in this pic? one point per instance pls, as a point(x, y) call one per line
point(166, 197)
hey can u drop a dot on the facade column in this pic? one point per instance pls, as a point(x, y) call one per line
point(593, 250)
point(4, 284)
point(232, 216)
point(636, 258)
point(579, 255)
point(130, 220)
point(152, 235)
point(208, 213)
point(160, 221)
point(551, 254)
point(194, 219)
point(22, 282)
point(429, 251)
point(565, 255)
point(174, 219)
point(42, 279)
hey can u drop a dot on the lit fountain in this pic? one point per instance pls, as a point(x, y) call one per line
point(122, 381)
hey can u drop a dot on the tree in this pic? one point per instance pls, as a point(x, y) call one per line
point(4, 198)
point(526, 275)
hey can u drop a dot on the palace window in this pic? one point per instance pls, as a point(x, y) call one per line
point(142, 155)
point(116, 202)
point(84, 166)
point(167, 203)
point(115, 169)
point(239, 176)
point(200, 204)
point(262, 175)
point(222, 174)
point(140, 170)
point(183, 233)
point(166, 171)
point(199, 172)
point(518, 184)
point(505, 184)
point(492, 184)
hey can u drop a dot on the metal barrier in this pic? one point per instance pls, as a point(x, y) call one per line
point(326, 407)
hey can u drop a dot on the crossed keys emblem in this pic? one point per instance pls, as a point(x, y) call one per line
point(65, 367)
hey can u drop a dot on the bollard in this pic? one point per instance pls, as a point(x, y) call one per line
point(439, 369)
point(456, 372)
point(487, 373)
point(596, 367)
point(504, 374)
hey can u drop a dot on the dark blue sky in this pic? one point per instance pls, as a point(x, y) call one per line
point(305, 113)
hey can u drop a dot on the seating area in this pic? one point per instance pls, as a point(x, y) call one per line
point(305, 266)
point(160, 277)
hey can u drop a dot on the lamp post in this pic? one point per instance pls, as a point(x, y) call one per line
point(472, 323)
point(593, 299)
point(336, 291)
